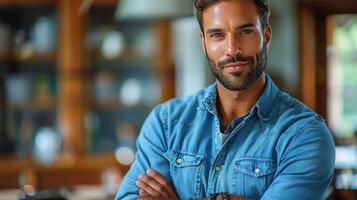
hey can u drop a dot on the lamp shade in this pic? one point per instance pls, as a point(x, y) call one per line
point(153, 9)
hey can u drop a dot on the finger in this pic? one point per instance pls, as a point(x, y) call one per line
point(147, 189)
point(162, 181)
point(154, 185)
point(143, 193)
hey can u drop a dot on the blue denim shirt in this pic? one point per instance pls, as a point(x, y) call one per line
point(280, 150)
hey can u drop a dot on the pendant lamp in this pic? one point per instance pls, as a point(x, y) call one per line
point(153, 9)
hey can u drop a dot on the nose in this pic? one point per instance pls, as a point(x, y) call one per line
point(233, 47)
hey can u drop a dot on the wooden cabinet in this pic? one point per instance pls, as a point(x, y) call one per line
point(66, 75)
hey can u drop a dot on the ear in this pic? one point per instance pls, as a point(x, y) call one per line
point(202, 38)
point(267, 35)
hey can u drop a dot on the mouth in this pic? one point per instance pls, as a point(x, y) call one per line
point(236, 67)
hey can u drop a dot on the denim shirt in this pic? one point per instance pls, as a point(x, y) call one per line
point(280, 150)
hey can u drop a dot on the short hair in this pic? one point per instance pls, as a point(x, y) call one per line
point(262, 7)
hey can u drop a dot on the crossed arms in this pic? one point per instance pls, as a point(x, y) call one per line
point(304, 170)
point(154, 186)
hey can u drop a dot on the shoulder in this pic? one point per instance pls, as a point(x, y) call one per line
point(295, 115)
point(299, 125)
point(303, 133)
point(178, 108)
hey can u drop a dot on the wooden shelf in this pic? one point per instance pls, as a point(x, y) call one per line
point(11, 163)
point(115, 106)
point(65, 171)
point(36, 57)
point(127, 56)
point(34, 107)
point(8, 3)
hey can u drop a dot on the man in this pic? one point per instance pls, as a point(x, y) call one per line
point(240, 138)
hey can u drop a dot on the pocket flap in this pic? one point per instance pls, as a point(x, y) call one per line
point(183, 159)
point(255, 166)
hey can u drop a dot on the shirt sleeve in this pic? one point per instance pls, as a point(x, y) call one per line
point(151, 145)
point(306, 167)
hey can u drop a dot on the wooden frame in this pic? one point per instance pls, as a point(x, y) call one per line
point(312, 17)
point(72, 88)
point(314, 37)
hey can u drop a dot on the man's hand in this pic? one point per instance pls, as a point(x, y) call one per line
point(155, 185)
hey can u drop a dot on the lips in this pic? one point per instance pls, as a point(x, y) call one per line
point(236, 67)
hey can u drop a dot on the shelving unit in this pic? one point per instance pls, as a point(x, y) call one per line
point(71, 72)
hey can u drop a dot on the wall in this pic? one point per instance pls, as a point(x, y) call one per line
point(283, 54)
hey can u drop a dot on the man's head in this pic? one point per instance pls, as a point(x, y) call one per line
point(262, 8)
point(235, 35)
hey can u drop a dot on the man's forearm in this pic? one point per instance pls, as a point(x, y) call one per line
point(154, 198)
point(153, 185)
point(219, 197)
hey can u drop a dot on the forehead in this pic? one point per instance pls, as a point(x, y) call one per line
point(230, 12)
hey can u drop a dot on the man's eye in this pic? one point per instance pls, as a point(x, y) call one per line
point(246, 32)
point(216, 35)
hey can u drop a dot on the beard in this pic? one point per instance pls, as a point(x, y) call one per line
point(240, 81)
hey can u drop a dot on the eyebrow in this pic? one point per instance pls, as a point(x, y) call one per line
point(215, 30)
point(248, 25)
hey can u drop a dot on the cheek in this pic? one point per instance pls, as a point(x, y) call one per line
point(253, 45)
point(215, 50)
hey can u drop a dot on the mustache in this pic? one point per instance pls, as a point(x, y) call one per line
point(235, 58)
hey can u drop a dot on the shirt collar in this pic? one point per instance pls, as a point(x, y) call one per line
point(267, 102)
point(264, 107)
point(210, 99)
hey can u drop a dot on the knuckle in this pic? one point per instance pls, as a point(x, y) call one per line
point(145, 178)
point(154, 176)
point(166, 184)
point(162, 188)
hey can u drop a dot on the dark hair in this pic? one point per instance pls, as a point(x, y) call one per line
point(262, 6)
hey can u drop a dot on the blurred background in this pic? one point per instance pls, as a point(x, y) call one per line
point(78, 78)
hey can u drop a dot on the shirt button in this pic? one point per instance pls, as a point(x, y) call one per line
point(218, 168)
point(257, 171)
point(179, 161)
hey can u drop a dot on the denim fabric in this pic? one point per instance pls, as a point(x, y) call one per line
point(280, 150)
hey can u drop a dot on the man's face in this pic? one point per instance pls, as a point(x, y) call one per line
point(234, 42)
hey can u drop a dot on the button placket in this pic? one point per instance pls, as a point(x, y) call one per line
point(213, 175)
point(218, 168)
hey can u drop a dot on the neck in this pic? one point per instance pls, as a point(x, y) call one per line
point(232, 104)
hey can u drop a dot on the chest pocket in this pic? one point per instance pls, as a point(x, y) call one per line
point(186, 172)
point(252, 176)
